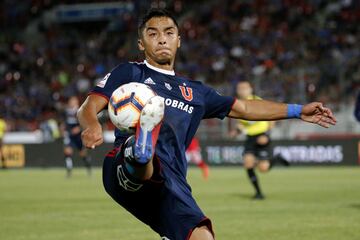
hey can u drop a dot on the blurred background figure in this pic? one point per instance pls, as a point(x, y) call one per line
point(193, 155)
point(2, 133)
point(257, 152)
point(50, 127)
point(357, 107)
point(292, 51)
point(72, 137)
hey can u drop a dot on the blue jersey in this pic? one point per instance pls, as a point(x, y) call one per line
point(71, 120)
point(72, 139)
point(187, 103)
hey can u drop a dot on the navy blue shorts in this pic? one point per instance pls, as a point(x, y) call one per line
point(73, 141)
point(169, 211)
point(261, 152)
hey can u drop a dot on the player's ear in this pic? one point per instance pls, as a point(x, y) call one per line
point(141, 45)
point(179, 41)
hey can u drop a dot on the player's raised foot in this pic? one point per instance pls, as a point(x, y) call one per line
point(283, 161)
point(148, 128)
point(258, 196)
point(278, 159)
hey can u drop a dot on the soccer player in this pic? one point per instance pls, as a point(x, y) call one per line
point(72, 137)
point(146, 172)
point(2, 133)
point(193, 154)
point(257, 144)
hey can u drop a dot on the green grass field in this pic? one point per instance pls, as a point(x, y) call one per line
point(302, 203)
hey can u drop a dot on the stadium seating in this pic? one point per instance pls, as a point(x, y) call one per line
point(294, 51)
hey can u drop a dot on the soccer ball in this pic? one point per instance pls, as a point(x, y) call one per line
point(126, 103)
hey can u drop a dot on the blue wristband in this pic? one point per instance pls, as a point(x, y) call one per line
point(294, 110)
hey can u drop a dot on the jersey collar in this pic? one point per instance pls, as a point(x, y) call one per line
point(167, 72)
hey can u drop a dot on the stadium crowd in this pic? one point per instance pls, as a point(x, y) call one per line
point(293, 51)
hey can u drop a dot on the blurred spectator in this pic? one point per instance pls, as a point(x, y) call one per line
point(294, 51)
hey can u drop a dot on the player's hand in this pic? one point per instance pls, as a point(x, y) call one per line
point(316, 113)
point(92, 136)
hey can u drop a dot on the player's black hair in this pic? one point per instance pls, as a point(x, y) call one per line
point(245, 81)
point(154, 12)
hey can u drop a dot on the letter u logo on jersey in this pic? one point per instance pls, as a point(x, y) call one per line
point(187, 93)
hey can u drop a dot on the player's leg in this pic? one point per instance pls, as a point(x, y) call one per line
point(142, 200)
point(155, 203)
point(159, 205)
point(250, 164)
point(278, 159)
point(2, 157)
point(83, 152)
point(68, 153)
point(131, 166)
point(138, 150)
point(263, 152)
point(86, 159)
point(263, 166)
point(196, 158)
point(201, 233)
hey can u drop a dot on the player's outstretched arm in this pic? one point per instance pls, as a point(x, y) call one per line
point(266, 110)
point(87, 114)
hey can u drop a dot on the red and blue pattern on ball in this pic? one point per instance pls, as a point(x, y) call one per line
point(132, 100)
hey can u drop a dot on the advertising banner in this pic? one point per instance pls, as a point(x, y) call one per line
point(222, 152)
point(328, 152)
point(14, 156)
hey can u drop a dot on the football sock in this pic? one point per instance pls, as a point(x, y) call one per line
point(68, 165)
point(254, 180)
point(87, 162)
point(127, 167)
point(130, 163)
point(205, 169)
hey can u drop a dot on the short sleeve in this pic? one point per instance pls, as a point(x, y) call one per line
point(120, 75)
point(216, 105)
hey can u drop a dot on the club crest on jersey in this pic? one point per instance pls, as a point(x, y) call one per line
point(168, 86)
point(186, 92)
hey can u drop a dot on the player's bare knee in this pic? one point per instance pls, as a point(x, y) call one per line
point(83, 153)
point(249, 161)
point(263, 140)
point(201, 233)
point(68, 151)
point(264, 166)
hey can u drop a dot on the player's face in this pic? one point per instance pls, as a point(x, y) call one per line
point(244, 90)
point(73, 102)
point(160, 40)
